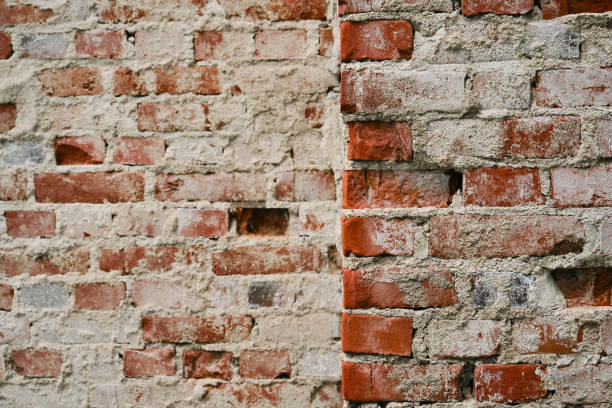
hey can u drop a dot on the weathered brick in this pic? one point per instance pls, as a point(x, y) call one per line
point(279, 45)
point(359, 6)
point(502, 187)
point(582, 384)
point(606, 336)
point(399, 288)
point(574, 87)
point(24, 152)
point(52, 262)
point(498, 89)
point(159, 45)
point(256, 261)
point(276, 10)
point(126, 82)
point(99, 44)
point(161, 117)
point(142, 221)
point(44, 295)
point(182, 80)
point(326, 42)
point(375, 40)
point(401, 91)
point(149, 362)
point(268, 294)
point(22, 14)
point(380, 141)
point(328, 396)
point(396, 188)
point(546, 335)
point(183, 329)
point(13, 187)
point(265, 364)
point(211, 187)
point(6, 297)
point(202, 223)
point(8, 117)
point(158, 294)
point(71, 81)
point(6, 45)
point(131, 11)
point(89, 187)
point(139, 150)
point(363, 236)
point(557, 8)
point(207, 364)
point(509, 383)
point(606, 236)
point(470, 236)
point(30, 224)
point(99, 296)
point(44, 45)
point(472, 7)
point(306, 186)
point(585, 287)
point(571, 187)
point(248, 395)
point(604, 131)
point(377, 334)
point(319, 363)
point(37, 363)
point(158, 259)
point(542, 136)
point(79, 150)
point(368, 382)
point(457, 339)
point(223, 45)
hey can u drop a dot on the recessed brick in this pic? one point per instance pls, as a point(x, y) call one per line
point(262, 221)
point(79, 150)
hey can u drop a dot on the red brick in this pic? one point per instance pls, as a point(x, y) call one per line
point(502, 187)
point(387, 288)
point(211, 187)
point(545, 336)
point(99, 296)
point(306, 186)
point(6, 46)
point(13, 187)
point(37, 363)
point(380, 141)
point(126, 82)
point(509, 383)
point(606, 336)
point(159, 259)
point(375, 40)
point(8, 117)
point(369, 382)
point(543, 136)
point(222, 45)
point(202, 223)
point(6, 297)
point(363, 236)
point(376, 334)
point(265, 364)
point(182, 80)
point(605, 138)
point(99, 44)
point(473, 7)
point(396, 92)
point(590, 187)
point(71, 81)
point(149, 362)
point(89, 187)
point(276, 10)
point(30, 224)
point(22, 14)
point(139, 151)
point(574, 87)
point(471, 236)
point(585, 287)
point(207, 364)
point(326, 42)
point(186, 329)
point(396, 188)
point(279, 45)
point(79, 150)
point(52, 262)
point(258, 260)
point(161, 117)
point(248, 395)
point(158, 294)
point(557, 8)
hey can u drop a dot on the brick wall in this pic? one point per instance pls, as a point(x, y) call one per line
point(175, 178)
point(169, 201)
point(476, 203)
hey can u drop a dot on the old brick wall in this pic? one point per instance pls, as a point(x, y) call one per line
point(476, 221)
point(169, 200)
